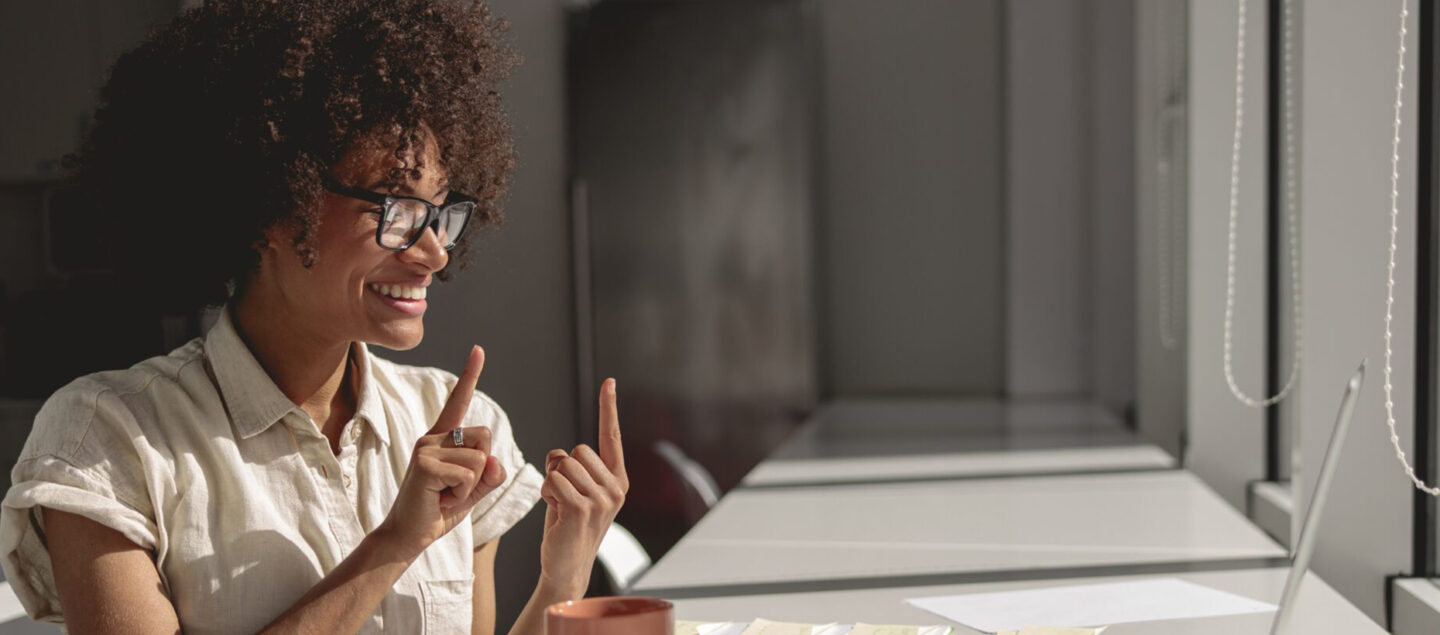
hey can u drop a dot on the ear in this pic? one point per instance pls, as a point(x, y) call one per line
point(278, 236)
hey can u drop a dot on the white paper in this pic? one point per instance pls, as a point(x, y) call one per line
point(1089, 605)
point(761, 626)
point(1050, 630)
point(878, 629)
point(684, 627)
point(688, 627)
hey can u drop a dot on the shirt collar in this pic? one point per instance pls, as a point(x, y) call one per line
point(255, 402)
point(368, 405)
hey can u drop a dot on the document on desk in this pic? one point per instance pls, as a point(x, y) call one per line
point(766, 627)
point(1046, 630)
point(1089, 605)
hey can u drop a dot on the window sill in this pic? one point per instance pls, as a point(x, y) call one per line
point(1269, 505)
point(1415, 606)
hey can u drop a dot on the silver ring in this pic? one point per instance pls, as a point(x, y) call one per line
point(458, 436)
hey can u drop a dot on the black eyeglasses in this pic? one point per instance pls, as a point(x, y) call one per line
point(404, 218)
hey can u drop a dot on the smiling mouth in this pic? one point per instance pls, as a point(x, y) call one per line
point(398, 291)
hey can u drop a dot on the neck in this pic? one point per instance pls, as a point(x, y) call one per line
point(309, 368)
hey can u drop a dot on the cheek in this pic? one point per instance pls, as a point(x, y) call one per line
point(340, 273)
point(348, 247)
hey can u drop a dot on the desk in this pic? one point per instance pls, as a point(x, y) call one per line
point(903, 534)
point(959, 465)
point(1320, 608)
point(895, 440)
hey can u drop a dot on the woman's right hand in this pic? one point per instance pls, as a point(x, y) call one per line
point(444, 481)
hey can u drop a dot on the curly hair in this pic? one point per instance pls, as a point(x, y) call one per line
point(221, 124)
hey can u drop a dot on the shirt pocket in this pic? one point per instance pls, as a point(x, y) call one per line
point(447, 605)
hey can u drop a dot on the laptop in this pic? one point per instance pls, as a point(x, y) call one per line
point(1305, 548)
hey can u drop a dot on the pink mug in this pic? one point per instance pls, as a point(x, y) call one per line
point(611, 616)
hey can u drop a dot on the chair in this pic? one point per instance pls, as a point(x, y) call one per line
point(622, 558)
point(691, 472)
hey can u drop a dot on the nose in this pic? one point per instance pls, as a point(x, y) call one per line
point(427, 251)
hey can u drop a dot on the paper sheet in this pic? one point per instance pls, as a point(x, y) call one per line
point(686, 627)
point(1046, 630)
point(1089, 605)
point(767, 627)
point(879, 629)
point(689, 627)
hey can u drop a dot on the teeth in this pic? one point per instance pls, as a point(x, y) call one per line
point(400, 291)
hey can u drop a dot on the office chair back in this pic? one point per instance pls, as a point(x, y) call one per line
point(622, 558)
point(691, 472)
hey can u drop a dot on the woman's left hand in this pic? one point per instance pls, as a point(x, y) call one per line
point(583, 491)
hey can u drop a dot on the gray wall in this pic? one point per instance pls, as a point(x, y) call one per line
point(1160, 196)
point(1111, 168)
point(515, 300)
point(1069, 183)
point(1048, 90)
point(976, 234)
point(911, 244)
point(1348, 91)
point(75, 42)
point(1226, 438)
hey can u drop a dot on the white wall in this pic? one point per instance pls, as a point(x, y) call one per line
point(1348, 93)
point(1226, 438)
point(1346, 62)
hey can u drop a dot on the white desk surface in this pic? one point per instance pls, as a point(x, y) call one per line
point(1320, 609)
point(889, 440)
point(858, 532)
point(814, 471)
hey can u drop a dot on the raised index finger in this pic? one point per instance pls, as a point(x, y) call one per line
point(459, 402)
point(612, 453)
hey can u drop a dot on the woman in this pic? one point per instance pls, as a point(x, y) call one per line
point(304, 163)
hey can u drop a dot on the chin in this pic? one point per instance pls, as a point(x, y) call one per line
point(399, 340)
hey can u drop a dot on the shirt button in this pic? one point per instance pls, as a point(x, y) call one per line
point(347, 480)
point(355, 432)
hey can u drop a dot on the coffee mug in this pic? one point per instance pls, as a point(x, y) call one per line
point(611, 616)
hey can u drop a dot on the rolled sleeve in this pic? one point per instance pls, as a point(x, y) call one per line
point(54, 483)
point(75, 461)
point(499, 510)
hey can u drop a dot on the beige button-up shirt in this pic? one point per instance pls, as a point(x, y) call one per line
point(198, 457)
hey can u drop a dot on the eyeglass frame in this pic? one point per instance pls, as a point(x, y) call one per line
point(386, 201)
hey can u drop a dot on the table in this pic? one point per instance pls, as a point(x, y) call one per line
point(1320, 608)
point(900, 440)
point(906, 534)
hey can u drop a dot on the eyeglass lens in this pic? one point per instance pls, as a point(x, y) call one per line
point(405, 220)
